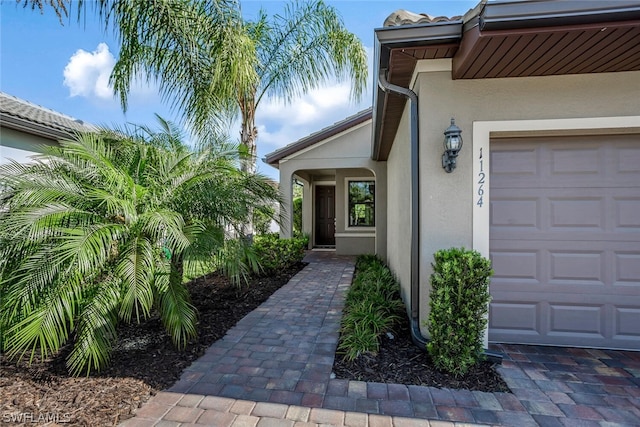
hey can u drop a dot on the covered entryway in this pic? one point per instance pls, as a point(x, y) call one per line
point(565, 241)
point(325, 218)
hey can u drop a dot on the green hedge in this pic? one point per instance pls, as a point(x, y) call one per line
point(275, 254)
point(459, 301)
point(372, 307)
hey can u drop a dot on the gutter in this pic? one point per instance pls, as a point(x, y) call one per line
point(510, 14)
point(416, 335)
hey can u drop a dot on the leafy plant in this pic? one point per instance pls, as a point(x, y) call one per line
point(101, 229)
point(372, 307)
point(237, 260)
point(274, 254)
point(262, 217)
point(459, 302)
point(297, 215)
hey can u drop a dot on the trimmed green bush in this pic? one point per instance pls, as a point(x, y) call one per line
point(372, 307)
point(275, 254)
point(297, 215)
point(459, 302)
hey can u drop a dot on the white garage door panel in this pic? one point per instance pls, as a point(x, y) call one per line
point(565, 241)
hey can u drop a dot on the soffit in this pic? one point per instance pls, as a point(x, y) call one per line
point(577, 49)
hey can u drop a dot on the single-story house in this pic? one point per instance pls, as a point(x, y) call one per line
point(26, 128)
point(546, 95)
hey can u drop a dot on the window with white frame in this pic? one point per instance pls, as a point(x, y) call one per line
point(361, 203)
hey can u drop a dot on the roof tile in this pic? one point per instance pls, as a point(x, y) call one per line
point(403, 17)
point(32, 113)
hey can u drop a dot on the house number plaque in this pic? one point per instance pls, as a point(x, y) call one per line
point(481, 178)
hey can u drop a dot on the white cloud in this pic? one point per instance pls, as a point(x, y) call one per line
point(280, 123)
point(87, 73)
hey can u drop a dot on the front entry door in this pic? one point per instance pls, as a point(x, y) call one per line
point(325, 216)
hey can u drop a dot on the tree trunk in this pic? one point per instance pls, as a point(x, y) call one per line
point(248, 136)
point(249, 132)
point(177, 270)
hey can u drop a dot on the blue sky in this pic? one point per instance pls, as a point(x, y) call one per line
point(66, 68)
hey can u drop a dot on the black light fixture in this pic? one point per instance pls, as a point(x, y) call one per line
point(452, 146)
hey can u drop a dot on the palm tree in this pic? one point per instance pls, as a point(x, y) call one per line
point(296, 52)
point(99, 231)
point(213, 65)
point(215, 71)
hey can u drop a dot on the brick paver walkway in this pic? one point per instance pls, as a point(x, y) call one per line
point(274, 369)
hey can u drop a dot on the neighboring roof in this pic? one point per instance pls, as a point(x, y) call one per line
point(18, 114)
point(274, 157)
point(505, 38)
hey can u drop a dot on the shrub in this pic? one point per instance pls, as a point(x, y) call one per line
point(459, 303)
point(275, 254)
point(372, 307)
point(262, 217)
point(297, 215)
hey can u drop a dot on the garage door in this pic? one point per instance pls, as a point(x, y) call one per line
point(565, 241)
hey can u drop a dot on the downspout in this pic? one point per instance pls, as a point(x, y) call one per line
point(416, 334)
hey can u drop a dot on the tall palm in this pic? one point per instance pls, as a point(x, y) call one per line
point(298, 51)
point(98, 231)
point(212, 64)
point(215, 75)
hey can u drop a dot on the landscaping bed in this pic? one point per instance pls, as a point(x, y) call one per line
point(399, 361)
point(375, 342)
point(144, 362)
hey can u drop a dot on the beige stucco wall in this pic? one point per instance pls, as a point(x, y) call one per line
point(399, 208)
point(19, 146)
point(345, 155)
point(447, 199)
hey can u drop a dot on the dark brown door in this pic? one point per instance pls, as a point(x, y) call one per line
point(325, 216)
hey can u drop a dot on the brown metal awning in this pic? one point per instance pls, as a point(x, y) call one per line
point(508, 39)
point(577, 49)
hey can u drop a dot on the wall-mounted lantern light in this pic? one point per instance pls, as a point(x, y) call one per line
point(452, 146)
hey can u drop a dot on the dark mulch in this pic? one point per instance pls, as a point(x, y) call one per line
point(399, 361)
point(144, 362)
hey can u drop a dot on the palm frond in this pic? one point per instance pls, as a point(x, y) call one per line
point(178, 314)
point(96, 331)
point(195, 51)
point(45, 326)
point(136, 268)
point(305, 48)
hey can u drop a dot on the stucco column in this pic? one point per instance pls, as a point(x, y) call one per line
point(286, 213)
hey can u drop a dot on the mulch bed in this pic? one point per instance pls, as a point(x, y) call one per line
point(399, 361)
point(144, 362)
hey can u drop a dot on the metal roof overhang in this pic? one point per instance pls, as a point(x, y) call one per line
point(508, 39)
point(397, 50)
